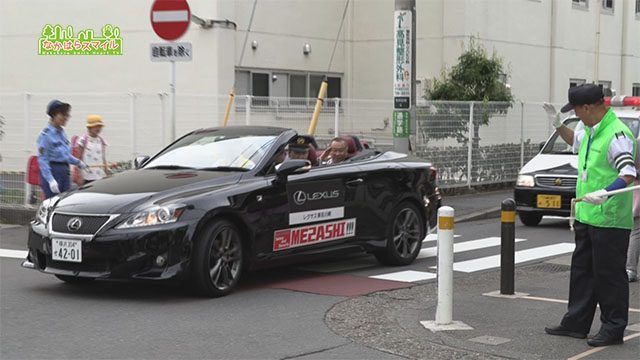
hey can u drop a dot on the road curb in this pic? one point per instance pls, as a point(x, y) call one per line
point(480, 215)
point(16, 215)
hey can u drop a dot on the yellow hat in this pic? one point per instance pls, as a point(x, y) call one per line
point(94, 120)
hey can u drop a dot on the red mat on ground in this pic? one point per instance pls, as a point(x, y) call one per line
point(337, 285)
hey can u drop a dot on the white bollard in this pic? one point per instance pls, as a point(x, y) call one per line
point(444, 311)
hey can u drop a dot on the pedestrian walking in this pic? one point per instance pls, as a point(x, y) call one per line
point(606, 151)
point(91, 149)
point(54, 151)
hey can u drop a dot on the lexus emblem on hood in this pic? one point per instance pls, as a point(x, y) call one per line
point(558, 182)
point(74, 224)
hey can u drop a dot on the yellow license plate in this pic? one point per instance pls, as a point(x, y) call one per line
point(549, 201)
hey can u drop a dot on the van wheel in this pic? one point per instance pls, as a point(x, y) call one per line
point(530, 219)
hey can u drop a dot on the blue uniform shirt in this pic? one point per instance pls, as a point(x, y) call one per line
point(53, 145)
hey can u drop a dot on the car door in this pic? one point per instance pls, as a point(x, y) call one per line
point(311, 211)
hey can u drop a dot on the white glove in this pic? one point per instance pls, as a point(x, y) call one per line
point(53, 186)
point(596, 197)
point(83, 166)
point(553, 115)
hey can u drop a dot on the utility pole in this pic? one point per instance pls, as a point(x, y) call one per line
point(404, 74)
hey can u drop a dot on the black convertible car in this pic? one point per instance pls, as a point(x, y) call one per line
point(215, 204)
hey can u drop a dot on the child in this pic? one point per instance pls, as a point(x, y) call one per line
point(91, 150)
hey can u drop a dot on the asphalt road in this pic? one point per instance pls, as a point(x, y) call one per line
point(267, 318)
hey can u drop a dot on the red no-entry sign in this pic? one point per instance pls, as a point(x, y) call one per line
point(170, 18)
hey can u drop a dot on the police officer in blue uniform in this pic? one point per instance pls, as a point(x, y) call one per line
point(54, 151)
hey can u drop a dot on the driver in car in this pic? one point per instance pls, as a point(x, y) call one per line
point(298, 148)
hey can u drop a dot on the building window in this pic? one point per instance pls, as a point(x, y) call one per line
point(576, 82)
point(635, 90)
point(607, 5)
point(270, 86)
point(606, 87)
point(637, 7)
point(298, 85)
point(582, 4)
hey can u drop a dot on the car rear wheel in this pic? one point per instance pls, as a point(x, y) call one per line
point(218, 259)
point(75, 279)
point(530, 219)
point(404, 236)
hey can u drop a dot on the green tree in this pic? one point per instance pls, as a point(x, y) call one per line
point(476, 77)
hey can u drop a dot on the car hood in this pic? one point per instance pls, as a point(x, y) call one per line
point(557, 164)
point(123, 192)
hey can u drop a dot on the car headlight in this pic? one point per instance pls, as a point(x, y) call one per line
point(526, 181)
point(157, 215)
point(45, 209)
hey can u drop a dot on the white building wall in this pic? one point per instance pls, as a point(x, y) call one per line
point(519, 30)
point(22, 69)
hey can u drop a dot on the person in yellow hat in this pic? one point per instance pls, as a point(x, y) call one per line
point(91, 150)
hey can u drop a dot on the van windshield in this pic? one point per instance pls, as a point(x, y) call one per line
point(556, 145)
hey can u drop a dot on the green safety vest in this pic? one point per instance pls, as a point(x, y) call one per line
point(616, 212)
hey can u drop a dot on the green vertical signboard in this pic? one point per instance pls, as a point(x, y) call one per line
point(400, 123)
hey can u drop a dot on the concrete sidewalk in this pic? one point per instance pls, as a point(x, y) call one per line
point(501, 327)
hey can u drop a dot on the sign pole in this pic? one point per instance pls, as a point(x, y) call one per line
point(404, 25)
point(172, 84)
point(170, 20)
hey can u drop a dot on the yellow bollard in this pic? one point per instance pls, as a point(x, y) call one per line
point(228, 109)
point(316, 112)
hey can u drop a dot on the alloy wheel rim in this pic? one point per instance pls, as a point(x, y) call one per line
point(225, 259)
point(406, 232)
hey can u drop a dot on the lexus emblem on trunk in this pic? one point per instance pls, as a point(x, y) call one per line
point(74, 224)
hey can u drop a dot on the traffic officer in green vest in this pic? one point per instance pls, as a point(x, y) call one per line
point(606, 152)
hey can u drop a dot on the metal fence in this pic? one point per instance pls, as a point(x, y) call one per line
point(470, 143)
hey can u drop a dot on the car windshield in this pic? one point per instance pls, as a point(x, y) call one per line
point(214, 151)
point(557, 146)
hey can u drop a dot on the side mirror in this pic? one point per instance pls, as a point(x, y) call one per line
point(540, 146)
point(139, 161)
point(291, 167)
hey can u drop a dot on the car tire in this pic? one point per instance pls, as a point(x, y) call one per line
point(70, 279)
point(218, 259)
point(405, 233)
point(530, 219)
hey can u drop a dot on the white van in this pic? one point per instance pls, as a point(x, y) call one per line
point(547, 183)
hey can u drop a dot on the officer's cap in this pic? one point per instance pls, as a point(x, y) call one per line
point(299, 144)
point(583, 94)
point(56, 106)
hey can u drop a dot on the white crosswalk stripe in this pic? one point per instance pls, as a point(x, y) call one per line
point(521, 256)
point(16, 254)
point(477, 264)
point(464, 246)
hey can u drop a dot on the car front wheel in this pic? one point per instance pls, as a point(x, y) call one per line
point(405, 232)
point(218, 259)
point(530, 219)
